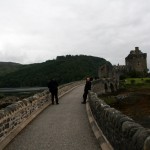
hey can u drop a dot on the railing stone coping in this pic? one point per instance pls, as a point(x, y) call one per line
point(121, 131)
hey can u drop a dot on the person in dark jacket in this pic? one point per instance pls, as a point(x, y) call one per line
point(53, 89)
point(86, 89)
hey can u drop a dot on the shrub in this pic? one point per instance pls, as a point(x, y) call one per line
point(132, 81)
point(147, 81)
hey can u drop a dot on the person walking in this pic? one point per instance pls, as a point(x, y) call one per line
point(53, 89)
point(87, 87)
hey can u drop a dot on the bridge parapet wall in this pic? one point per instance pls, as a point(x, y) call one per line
point(120, 130)
point(16, 116)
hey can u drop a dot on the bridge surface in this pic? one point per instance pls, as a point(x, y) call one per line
point(59, 127)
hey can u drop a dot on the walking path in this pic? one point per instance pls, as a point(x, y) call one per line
point(59, 127)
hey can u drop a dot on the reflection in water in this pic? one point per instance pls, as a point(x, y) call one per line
point(21, 89)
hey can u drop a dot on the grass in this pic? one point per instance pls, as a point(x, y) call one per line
point(136, 83)
point(109, 99)
point(137, 80)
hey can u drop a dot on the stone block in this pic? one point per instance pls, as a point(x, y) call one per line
point(147, 143)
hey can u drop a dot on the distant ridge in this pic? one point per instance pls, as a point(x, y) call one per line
point(8, 67)
point(64, 69)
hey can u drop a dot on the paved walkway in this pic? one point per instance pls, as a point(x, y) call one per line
point(59, 127)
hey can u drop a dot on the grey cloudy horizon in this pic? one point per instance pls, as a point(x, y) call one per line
point(33, 31)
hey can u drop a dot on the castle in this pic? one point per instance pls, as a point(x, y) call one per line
point(136, 61)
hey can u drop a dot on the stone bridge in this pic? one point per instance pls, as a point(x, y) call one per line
point(35, 124)
point(105, 85)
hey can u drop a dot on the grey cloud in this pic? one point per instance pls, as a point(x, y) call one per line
point(36, 30)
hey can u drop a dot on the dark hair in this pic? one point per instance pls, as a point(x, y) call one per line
point(91, 78)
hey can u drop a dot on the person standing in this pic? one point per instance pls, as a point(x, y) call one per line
point(87, 87)
point(53, 89)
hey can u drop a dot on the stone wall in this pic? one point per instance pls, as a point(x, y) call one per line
point(16, 116)
point(104, 85)
point(121, 131)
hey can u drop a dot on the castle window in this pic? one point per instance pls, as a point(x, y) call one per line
point(138, 63)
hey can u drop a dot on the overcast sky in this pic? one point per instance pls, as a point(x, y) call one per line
point(34, 31)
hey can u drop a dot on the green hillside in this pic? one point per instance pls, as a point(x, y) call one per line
point(64, 69)
point(8, 67)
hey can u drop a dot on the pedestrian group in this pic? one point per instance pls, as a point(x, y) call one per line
point(53, 89)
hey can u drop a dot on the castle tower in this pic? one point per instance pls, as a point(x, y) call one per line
point(136, 61)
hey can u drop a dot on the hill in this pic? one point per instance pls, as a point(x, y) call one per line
point(8, 67)
point(64, 69)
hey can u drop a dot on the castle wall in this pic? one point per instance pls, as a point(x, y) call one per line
point(105, 71)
